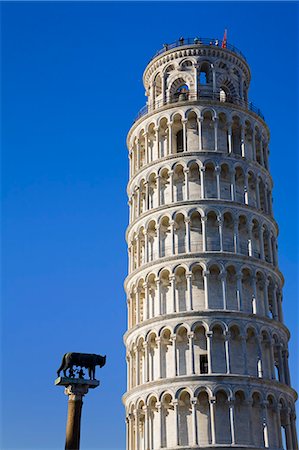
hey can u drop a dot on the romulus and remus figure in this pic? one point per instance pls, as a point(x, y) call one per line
point(87, 360)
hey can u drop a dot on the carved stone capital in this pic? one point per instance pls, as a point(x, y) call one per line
point(76, 392)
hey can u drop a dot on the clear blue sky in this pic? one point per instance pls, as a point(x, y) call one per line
point(71, 85)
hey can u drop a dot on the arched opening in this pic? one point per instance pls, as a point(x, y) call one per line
point(231, 289)
point(215, 288)
point(203, 419)
point(166, 297)
point(236, 136)
point(210, 181)
point(167, 362)
point(208, 134)
point(228, 233)
point(178, 183)
point(181, 288)
point(182, 346)
point(236, 350)
point(241, 419)
point(192, 132)
point(223, 432)
point(180, 233)
point(198, 290)
point(225, 182)
point(212, 232)
point(196, 232)
point(165, 237)
point(218, 351)
point(185, 419)
point(168, 421)
point(194, 182)
point(222, 133)
point(165, 187)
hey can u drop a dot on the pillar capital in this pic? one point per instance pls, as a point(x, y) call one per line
point(76, 392)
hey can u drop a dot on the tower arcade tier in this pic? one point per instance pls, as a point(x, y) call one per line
point(207, 349)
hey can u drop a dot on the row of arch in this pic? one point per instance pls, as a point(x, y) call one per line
point(201, 418)
point(214, 287)
point(193, 181)
point(202, 349)
point(197, 55)
point(196, 131)
point(203, 76)
point(192, 232)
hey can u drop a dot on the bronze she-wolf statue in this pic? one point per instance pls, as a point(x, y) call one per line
point(87, 360)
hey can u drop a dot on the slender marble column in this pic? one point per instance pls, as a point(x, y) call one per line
point(232, 421)
point(170, 138)
point(186, 173)
point(194, 421)
point(184, 122)
point(215, 119)
point(191, 352)
point(212, 419)
point(202, 183)
point(176, 427)
point(227, 352)
point(206, 274)
point(189, 291)
point(199, 122)
point(209, 336)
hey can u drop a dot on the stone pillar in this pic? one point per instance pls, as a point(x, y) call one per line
point(191, 352)
point(194, 422)
point(171, 185)
point(176, 428)
point(232, 187)
point(227, 352)
point(243, 140)
point(75, 389)
point(156, 129)
point(232, 421)
point(174, 356)
point(209, 336)
point(217, 171)
point(202, 181)
point(146, 427)
point(158, 180)
point(220, 227)
point(212, 417)
point(189, 291)
point(199, 122)
point(172, 287)
point(169, 137)
point(136, 421)
point(75, 402)
point(229, 137)
point(239, 291)
point(203, 228)
point(265, 423)
point(187, 222)
point(206, 287)
point(244, 351)
point(215, 120)
point(186, 172)
point(223, 284)
point(184, 122)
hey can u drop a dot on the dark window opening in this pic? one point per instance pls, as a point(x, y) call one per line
point(203, 363)
point(179, 141)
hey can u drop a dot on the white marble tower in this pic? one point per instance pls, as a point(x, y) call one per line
point(207, 349)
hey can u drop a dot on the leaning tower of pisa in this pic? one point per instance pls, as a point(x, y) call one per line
point(206, 345)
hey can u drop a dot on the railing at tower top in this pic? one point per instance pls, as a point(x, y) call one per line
point(198, 41)
point(204, 96)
